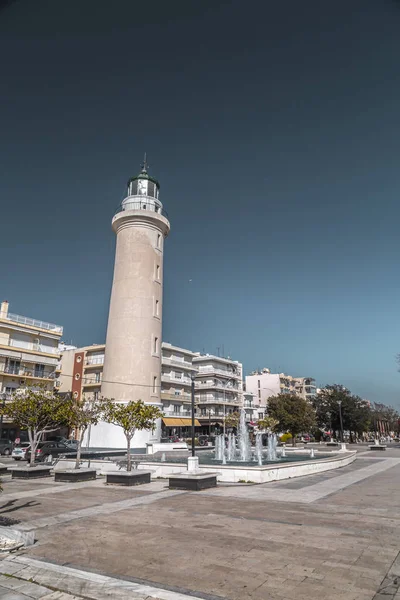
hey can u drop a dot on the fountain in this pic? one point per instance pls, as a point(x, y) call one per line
point(231, 451)
point(312, 453)
point(244, 439)
point(219, 447)
point(272, 443)
point(259, 448)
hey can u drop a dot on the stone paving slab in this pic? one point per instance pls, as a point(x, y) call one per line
point(336, 535)
point(91, 586)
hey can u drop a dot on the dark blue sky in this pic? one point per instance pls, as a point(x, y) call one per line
point(274, 130)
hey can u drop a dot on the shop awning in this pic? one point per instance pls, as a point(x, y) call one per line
point(183, 422)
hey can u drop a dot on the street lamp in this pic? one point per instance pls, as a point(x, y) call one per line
point(193, 433)
point(341, 421)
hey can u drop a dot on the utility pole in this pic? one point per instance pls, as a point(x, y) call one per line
point(193, 433)
point(341, 421)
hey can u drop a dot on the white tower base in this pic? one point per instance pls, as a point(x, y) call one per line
point(106, 435)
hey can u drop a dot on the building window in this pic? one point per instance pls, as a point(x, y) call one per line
point(158, 272)
point(158, 240)
point(39, 370)
point(12, 366)
point(178, 375)
point(97, 377)
point(154, 385)
point(96, 396)
point(260, 415)
point(177, 408)
point(258, 384)
point(155, 348)
point(259, 394)
point(157, 308)
point(177, 393)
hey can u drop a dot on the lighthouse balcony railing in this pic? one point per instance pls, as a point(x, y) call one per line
point(145, 204)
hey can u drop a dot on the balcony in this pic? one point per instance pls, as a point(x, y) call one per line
point(94, 361)
point(176, 397)
point(90, 382)
point(40, 348)
point(183, 413)
point(179, 363)
point(222, 372)
point(171, 379)
point(51, 327)
point(15, 371)
point(217, 401)
point(217, 386)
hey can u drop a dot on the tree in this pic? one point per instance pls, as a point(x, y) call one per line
point(232, 420)
point(356, 412)
point(385, 419)
point(292, 413)
point(80, 415)
point(132, 417)
point(267, 423)
point(38, 410)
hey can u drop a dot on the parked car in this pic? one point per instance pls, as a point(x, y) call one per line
point(19, 452)
point(46, 449)
point(6, 447)
point(72, 444)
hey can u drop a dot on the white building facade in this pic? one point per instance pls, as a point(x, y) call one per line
point(29, 357)
point(218, 389)
point(264, 384)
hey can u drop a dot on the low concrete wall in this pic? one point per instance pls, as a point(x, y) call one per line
point(228, 474)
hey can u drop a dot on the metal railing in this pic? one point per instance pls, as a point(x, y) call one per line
point(148, 204)
point(27, 373)
point(182, 413)
point(176, 397)
point(177, 363)
point(35, 347)
point(229, 374)
point(33, 322)
point(182, 380)
point(98, 360)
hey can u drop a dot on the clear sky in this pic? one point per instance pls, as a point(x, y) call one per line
point(274, 129)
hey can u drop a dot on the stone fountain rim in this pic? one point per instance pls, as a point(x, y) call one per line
point(339, 455)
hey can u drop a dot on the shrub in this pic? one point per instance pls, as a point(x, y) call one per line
point(285, 437)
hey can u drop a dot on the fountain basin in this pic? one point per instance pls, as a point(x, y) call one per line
point(251, 472)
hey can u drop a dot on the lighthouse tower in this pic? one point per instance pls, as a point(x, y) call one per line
point(132, 363)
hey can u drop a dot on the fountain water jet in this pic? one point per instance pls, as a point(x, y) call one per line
point(244, 439)
point(259, 448)
point(272, 443)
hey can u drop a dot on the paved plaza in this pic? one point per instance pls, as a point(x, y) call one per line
point(335, 535)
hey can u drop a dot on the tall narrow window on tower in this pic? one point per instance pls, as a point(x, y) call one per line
point(155, 349)
point(154, 385)
point(158, 241)
point(158, 272)
point(157, 308)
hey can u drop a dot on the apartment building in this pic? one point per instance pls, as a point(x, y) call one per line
point(264, 384)
point(218, 385)
point(81, 371)
point(29, 356)
point(218, 389)
point(177, 370)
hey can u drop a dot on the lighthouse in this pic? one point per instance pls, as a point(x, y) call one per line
point(132, 362)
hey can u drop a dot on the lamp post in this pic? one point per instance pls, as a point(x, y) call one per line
point(224, 385)
point(1, 416)
point(193, 433)
point(341, 421)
